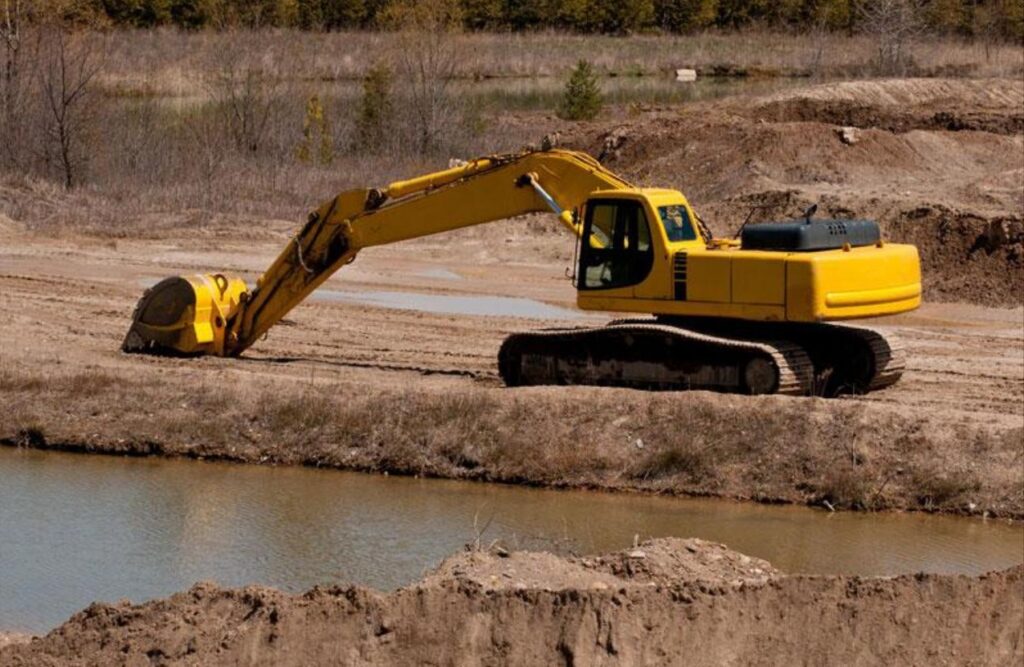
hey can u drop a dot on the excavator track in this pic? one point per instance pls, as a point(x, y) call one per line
point(647, 354)
point(888, 357)
point(756, 358)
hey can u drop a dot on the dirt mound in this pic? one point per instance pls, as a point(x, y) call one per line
point(661, 562)
point(694, 602)
point(965, 256)
point(11, 638)
point(1002, 94)
point(895, 105)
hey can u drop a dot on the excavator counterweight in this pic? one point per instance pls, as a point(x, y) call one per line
point(741, 316)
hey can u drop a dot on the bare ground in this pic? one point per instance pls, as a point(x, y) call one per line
point(663, 602)
point(405, 391)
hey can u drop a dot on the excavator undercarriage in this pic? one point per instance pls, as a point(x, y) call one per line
point(676, 354)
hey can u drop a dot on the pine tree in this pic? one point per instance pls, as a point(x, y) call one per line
point(482, 14)
point(373, 120)
point(582, 100)
point(316, 129)
point(685, 15)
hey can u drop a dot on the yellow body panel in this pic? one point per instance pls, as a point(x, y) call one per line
point(791, 286)
point(710, 277)
point(860, 282)
point(596, 301)
point(759, 278)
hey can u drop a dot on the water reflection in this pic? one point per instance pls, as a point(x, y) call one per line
point(74, 529)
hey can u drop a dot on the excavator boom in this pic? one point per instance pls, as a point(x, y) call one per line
point(221, 317)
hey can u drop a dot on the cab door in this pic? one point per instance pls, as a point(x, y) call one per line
point(615, 250)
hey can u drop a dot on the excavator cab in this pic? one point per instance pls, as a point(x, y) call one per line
point(615, 248)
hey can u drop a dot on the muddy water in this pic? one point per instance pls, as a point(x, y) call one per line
point(75, 528)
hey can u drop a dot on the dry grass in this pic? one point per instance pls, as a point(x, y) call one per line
point(848, 455)
point(166, 62)
point(154, 136)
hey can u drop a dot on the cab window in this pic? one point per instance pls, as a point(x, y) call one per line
point(676, 222)
point(616, 247)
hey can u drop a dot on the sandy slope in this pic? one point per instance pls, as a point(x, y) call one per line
point(664, 602)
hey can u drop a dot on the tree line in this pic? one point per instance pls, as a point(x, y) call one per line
point(986, 18)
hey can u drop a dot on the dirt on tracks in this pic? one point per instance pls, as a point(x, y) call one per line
point(663, 602)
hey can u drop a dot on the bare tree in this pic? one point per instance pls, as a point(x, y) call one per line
point(11, 27)
point(895, 24)
point(427, 55)
point(12, 33)
point(68, 65)
point(245, 96)
point(209, 150)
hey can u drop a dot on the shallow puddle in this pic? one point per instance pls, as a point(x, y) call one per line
point(442, 304)
point(439, 272)
point(452, 304)
point(78, 528)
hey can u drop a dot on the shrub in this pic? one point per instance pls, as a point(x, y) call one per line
point(316, 131)
point(373, 119)
point(582, 99)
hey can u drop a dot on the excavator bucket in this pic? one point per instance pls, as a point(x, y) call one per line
point(185, 315)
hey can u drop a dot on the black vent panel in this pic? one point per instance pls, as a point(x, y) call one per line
point(679, 276)
point(810, 236)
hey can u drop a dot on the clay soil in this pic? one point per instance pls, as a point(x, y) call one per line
point(663, 602)
point(940, 163)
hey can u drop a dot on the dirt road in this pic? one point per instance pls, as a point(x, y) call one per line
point(662, 602)
point(352, 381)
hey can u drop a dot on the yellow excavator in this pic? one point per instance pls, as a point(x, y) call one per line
point(747, 315)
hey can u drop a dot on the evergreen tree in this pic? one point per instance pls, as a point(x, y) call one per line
point(193, 14)
point(626, 16)
point(309, 15)
point(948, 16)
point(482, 14)
point(526, 14)
point(737, 13)
point(373, 118)
point(344, 14)
point(582, 98)
point(138, 13)
point(684, 16)
point(316, 131)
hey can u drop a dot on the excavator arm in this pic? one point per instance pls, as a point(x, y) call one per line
point(215, 314)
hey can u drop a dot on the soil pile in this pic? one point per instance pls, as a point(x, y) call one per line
point(987, 105)
point(10, 638)
point(663, 602)
point(940, 163)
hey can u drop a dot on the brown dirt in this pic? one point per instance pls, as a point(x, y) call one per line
point(901, 105)
point(11, 638)
point(375, 389)
point(664, 602)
